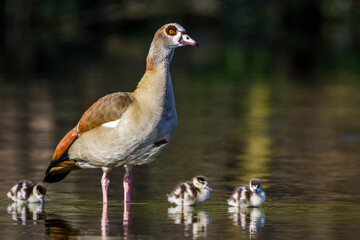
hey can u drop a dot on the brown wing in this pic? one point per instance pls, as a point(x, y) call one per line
point(106, 109)
point(64, 144)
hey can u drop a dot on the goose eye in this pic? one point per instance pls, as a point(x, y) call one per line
point(171, 30)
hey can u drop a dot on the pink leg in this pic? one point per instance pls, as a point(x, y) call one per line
point(104, 185)
point(127, 184)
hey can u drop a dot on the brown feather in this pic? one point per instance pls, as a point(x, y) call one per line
point(106, 109)
point(64, 144)
point(65, 166)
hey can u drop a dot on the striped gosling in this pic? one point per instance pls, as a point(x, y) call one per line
point(190, 193)
point(27, 191)
point(250, 195)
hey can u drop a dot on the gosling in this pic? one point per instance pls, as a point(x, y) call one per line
point(250, 195)
point(26, 191)
point(190, 193)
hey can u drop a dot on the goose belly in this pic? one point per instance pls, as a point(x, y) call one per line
point(155, 142)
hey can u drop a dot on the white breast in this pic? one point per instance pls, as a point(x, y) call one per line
point(203, 194)
point(257, 199)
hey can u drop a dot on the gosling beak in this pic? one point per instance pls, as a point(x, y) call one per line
point(186, 40)
point(42, 201)
point(208, 188)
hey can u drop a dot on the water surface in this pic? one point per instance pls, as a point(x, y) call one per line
point(301, 137)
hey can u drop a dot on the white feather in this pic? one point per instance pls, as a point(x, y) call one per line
point(257, 199)
point(111, 124)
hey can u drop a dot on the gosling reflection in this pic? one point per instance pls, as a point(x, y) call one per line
point(195, 222)
point(26, 213)
point(251, 219)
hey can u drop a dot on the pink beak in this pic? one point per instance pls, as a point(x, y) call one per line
point(186, 40)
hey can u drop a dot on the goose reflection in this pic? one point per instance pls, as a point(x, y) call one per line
point(26, 213)
point(105, 221)
point(194, 220)
point(251, 219)
point(58, 228)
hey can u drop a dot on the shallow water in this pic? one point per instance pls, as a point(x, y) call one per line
point(301, 139)
point(303, 145)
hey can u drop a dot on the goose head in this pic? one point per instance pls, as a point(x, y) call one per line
point(166, 40)
point(174, 35)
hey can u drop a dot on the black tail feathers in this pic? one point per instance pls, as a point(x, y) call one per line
point(59, 169)
point(55, 177)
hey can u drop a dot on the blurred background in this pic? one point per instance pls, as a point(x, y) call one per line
point(298, 39)
point(271, 92)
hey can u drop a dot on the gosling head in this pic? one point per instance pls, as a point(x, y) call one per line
point(201, 182)
point(39, 191)
point(255, 185)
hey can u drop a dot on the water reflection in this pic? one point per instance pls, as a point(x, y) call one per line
point(126, 220)
point(105, 221)
point(253, 131)
point(23, 212)
point(249, 219)
point(195, 222)
point(58, 228)
point(302, 139)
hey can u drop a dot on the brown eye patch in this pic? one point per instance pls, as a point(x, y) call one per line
point(41, 190)
point(255, 182)
point(171, 30)
point(201, 179)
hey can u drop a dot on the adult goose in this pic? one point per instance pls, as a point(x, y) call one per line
point(126, 129)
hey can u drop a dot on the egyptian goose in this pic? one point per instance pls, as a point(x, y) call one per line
point(126, 129)
point(190, 193)
point(250, 195)
point(27, 191)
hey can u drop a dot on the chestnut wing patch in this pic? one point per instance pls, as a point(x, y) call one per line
point(159, 143)
point(64, 144)
point(107, 109)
